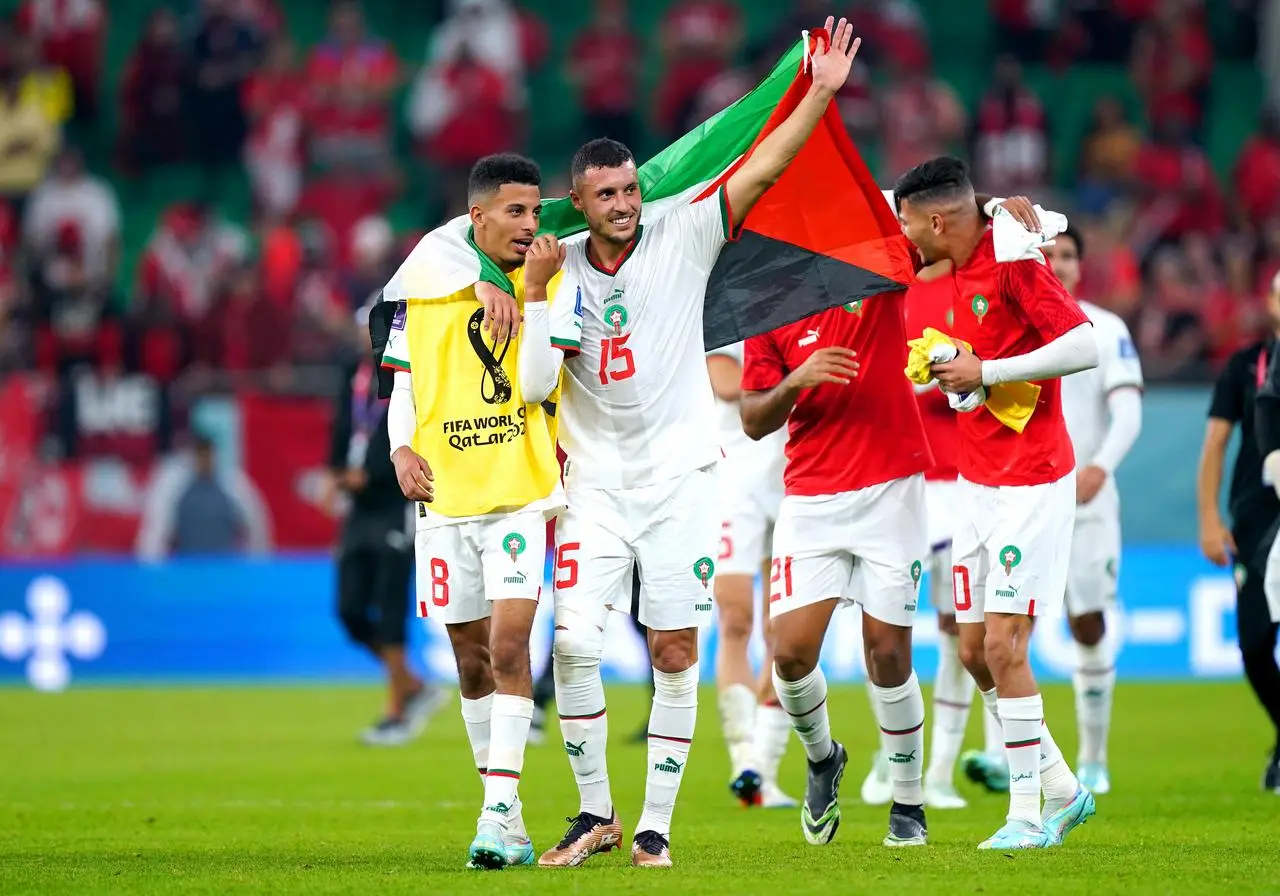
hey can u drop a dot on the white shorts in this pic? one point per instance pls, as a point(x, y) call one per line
point(940, 504)
point(463, 566)
point(1011, 548)
point(747, 530)
point(866, 546)
point(668, 530)
point(1095, 564)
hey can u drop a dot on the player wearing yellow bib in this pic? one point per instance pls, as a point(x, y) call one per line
point(476, 448)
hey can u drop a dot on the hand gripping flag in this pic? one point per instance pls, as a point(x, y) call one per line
point(822, 236)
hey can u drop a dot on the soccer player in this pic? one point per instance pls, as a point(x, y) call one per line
point(1254, 510)
point(851, 528)
point(928, 304)
point(640, 478)
point(461, 399)
point(1015, 496)
point(756, 727)
point(1103, 409)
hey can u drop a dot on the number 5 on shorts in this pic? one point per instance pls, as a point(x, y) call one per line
point(566, 565)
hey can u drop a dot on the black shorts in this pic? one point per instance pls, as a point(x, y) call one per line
point(1253, 618)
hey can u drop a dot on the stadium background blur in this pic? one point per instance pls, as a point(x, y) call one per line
point(240, 176)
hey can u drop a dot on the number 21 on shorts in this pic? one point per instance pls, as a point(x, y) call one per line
point(780, 580)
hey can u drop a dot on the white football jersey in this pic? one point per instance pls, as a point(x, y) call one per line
point(637, 406)
point(1084, 394)
point(753, 465)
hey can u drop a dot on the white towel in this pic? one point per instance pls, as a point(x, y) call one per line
point(969, 401)
point(1013, 242)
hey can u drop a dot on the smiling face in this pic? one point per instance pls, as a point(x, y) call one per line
point(506, 221)
point(609, 198)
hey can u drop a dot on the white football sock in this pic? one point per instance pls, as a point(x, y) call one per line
point(952, 694)
point(805, 701)
point(900, 712)
point(772, 731)
point(737, 718)
point(1023, 719)
point(1056, 780)
point(671, 723)
point(476, 715)
point(992, 731)
point(1095, 683)
point(585, 728)
point(509, 731)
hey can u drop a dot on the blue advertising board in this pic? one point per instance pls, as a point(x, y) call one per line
point(236, 620)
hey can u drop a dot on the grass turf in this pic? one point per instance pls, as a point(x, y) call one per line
point(267, 790)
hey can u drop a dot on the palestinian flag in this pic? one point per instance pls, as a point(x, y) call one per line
point(822, 236)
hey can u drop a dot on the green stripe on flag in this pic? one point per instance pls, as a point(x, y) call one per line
point(701, 155)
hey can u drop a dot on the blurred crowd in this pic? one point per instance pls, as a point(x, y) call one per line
point(329, 136)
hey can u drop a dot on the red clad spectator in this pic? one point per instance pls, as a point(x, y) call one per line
point(275, 100)
point(352, 75)
point(1172, 63)
point(604, 64)
point(243, 331)
point(1257, 172)
point(340, 199)
point(1011, 139)
point(152, 116)
point(281, 260)
point(1235, 313)
point(921, 116)
point(1179, 187)
point(896, 29)
point(71, 35)
point(699, 37)
point(185, 264)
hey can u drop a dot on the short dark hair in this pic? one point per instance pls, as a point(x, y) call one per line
point(941, 178)
point(490, 173)
point(1076, 238)
point(603, 152)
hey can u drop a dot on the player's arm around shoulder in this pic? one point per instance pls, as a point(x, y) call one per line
point(539, 361)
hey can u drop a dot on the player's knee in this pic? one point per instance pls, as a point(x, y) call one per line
point(734, 624)
point(510, 657)
point(793, 661)
point(1001, 648)
point(578, 642)
point(355, 623)
point(1088, 629)
point(474, 664)
point(673, 652)
point(973, 656)
point(888, 663)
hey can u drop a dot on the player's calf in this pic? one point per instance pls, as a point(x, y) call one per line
point(671, 723)
point(899, 709)
point(1094, 685)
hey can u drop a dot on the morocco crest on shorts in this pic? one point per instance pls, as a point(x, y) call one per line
point(704, 569)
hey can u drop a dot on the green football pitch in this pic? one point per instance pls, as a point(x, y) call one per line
point(267, 790)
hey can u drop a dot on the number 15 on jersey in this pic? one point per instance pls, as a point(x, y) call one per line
point(616, 361)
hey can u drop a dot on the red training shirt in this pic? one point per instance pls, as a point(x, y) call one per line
point(843, 438)
point(929, 305)
point(1004, 310)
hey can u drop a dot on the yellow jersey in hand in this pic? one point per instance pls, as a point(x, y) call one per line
point(489, 450)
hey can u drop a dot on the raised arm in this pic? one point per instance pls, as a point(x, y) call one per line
point(761, 170)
